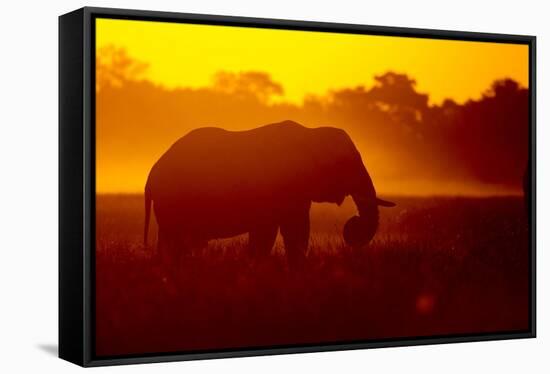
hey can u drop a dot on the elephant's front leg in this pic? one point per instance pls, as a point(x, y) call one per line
point(261, 240)
point(295, 232)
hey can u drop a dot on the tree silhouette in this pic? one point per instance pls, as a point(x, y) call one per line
point(114, 67)
point(398, 91)
point(257, 84)
point(483, 141)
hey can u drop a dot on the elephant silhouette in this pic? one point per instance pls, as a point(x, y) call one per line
point(213, 183)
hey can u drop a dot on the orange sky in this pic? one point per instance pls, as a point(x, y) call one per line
point(182, 55)
point(308, 62)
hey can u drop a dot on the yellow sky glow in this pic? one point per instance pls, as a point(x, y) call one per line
point(307, 62)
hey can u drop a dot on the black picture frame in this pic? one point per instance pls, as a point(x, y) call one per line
point(77, 181)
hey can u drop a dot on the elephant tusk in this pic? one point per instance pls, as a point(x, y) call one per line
point(385, 203)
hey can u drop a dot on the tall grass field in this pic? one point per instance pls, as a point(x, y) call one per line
point(437, 266)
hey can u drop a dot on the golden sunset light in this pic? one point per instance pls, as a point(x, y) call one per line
point(184, 55)
point(263, 187)
point(161, 80)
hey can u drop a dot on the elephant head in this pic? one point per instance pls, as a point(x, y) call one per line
point(360, 229)
point(348, 176)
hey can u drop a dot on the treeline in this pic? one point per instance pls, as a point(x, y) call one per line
point(404, 140)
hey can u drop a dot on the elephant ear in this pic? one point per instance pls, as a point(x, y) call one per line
point(333, 164)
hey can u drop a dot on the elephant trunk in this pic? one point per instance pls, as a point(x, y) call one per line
point(359, 230)
point(364, 197)
point(368, 210)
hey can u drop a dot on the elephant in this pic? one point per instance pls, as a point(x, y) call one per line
point(213, 183)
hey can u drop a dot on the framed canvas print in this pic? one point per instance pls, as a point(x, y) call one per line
point(236, 186)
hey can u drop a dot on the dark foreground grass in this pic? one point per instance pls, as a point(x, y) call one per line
point(437, 266)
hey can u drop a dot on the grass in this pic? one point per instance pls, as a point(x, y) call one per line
point(437, 266)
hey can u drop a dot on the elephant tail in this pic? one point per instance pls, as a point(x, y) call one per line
point(148, 201)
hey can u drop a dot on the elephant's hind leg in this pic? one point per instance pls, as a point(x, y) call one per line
point(295, 232)
point(261, 240)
